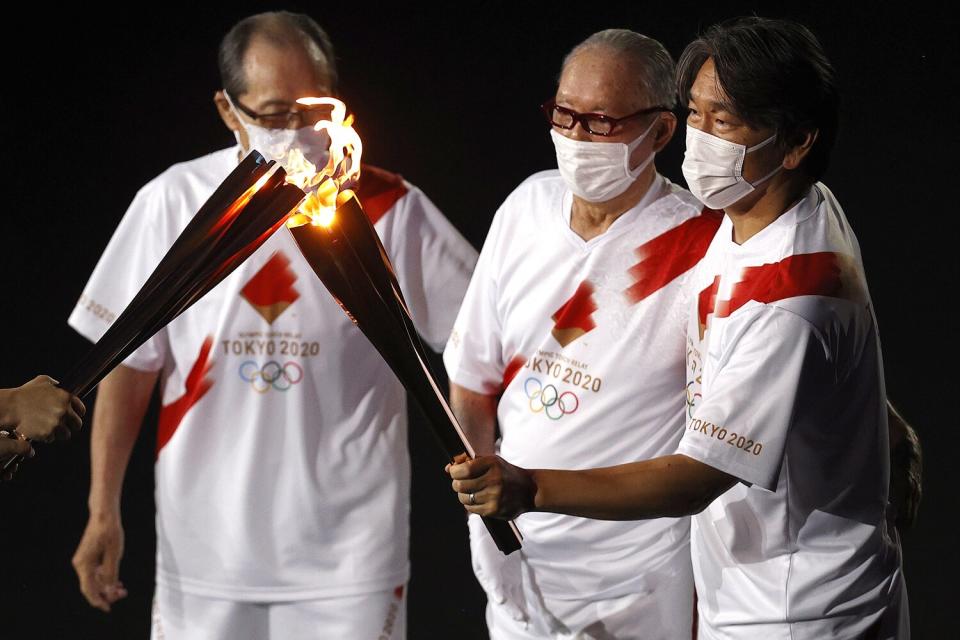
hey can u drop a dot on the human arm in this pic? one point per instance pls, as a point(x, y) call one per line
point(122, 401)
point(477, 415)
point(906, 469)
point(669, 486)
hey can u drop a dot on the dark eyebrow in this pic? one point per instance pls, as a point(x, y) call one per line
point(274, 103)
point(722, 106)
point(713, 105)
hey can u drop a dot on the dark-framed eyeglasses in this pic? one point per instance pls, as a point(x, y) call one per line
point(301, 116)
point(596, 123)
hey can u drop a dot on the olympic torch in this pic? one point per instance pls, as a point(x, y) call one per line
point(247, 208)
point(343, 249)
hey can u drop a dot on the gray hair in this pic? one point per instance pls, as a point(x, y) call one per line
point(280, 28)
point(655, 68)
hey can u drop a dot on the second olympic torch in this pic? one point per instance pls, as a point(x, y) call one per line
point(343, 249)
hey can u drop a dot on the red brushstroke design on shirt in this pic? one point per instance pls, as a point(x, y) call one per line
point(197, 385)
point(379, 190)
point(806, 274)
point(573, 319)
point(270, 291)
point(706, 302)
point(512, 369)
point(672, 254)
point(273, 283)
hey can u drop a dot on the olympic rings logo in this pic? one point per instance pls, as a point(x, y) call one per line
point(548, 399)
point(271, 375)
point(692, 397)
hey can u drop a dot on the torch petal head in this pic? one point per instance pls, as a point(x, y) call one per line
point(323, 184)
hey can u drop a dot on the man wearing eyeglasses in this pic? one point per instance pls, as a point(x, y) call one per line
point(571, 337)
point(282, 476)
point(784, 461)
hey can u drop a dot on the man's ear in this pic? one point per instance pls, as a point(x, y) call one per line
point(796, 153)
point(229, 117)
point(664, 130)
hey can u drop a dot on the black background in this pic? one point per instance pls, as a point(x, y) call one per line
point(94, 104)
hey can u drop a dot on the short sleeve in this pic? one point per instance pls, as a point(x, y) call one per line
point(433, 262)
point(474, 354)
point(766, 367)
point(134, 251)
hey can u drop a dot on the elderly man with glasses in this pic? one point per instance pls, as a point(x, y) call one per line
point(571, 339)
point(784, 463)
point(282, 475)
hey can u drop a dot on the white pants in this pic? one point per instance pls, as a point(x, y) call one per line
point(375, 616)
point(660, 609)
point(625, 618)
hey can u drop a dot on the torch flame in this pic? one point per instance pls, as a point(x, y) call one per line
point(342, 170)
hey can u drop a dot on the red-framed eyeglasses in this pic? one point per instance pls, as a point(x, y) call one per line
point(596, 123)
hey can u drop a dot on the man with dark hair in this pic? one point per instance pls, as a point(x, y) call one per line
point(784, 460)
point(571, 339)
point(282, 476)
point(757, 66)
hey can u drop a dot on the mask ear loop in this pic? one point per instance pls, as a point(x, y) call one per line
point(769, 175)
point(761, 145)
point(236, 114)
point(233, 108)
point(766, 177)
point(630, 148)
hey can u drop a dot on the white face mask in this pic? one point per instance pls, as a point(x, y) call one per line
point(598, 171)
point(275, 144)
point(713, 168)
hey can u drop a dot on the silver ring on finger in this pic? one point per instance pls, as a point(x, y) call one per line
point(473, 498)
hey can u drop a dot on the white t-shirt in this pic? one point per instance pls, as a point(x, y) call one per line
point(282, 470)
point(786, 393)
point(586, 344)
